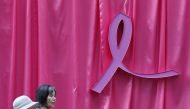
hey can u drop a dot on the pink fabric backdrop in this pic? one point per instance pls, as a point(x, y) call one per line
point(64, 43)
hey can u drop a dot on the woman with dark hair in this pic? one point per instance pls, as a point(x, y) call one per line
point(46, 96)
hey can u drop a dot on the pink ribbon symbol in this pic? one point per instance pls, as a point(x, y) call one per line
point(118, 53)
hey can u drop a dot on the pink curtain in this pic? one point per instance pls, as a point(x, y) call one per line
point(64, 43)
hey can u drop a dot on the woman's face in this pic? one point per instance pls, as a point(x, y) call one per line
point(51, 99)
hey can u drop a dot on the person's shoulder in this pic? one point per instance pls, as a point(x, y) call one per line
point(40, 108)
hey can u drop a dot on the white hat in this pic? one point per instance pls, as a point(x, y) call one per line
point(23, 102)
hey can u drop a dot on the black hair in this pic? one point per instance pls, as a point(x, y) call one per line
point(42, 92)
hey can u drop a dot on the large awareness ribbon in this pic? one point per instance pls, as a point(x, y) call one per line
point(118, 53)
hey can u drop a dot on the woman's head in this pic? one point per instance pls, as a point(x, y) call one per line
point(46, 95)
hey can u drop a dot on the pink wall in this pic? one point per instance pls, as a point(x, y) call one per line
point(64, 43)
